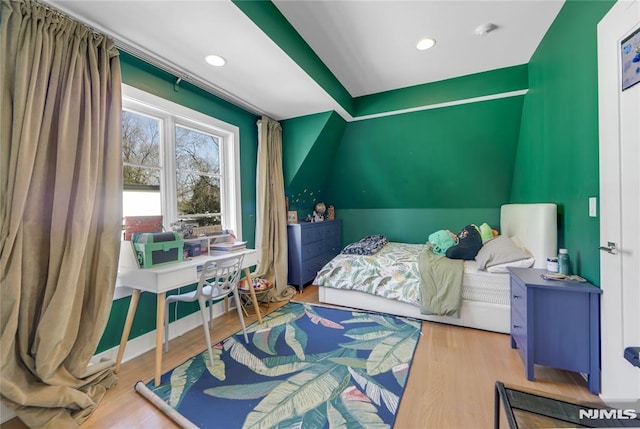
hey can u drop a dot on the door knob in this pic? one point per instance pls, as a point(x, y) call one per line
point(610, 248)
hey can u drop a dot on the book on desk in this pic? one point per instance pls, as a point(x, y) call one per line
point(229, 246)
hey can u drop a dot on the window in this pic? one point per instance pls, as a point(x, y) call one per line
point(179, 163)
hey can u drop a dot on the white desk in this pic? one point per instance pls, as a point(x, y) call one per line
point(162, 279)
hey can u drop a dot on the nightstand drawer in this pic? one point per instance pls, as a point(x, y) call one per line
point(518, 295)
point(518, 329)
point(518, 322)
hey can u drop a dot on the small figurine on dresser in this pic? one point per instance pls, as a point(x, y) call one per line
point(319, 212)
point(331, 213)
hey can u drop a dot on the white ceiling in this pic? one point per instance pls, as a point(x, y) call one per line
point(368, 45)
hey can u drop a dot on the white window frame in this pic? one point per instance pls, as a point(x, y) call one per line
point(171, 114)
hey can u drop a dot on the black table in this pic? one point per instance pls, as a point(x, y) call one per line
point(529, 409)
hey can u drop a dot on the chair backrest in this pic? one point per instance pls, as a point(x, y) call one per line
point(222, 275)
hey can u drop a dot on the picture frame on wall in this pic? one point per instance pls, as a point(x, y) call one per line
point(292, 216)
point(630, 59)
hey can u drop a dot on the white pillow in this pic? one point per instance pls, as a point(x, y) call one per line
point(503, 252)
point(503, 268)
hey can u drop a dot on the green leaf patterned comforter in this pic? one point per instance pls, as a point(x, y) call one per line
point(392, 272)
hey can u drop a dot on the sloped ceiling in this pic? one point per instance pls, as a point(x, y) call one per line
point(291, 58)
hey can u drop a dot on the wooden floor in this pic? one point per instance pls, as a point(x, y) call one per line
point(451, 383)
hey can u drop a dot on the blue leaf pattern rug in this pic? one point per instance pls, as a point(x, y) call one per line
point(305, 366)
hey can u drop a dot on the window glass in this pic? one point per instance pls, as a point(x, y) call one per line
point(199, 198)
point(141, 164)
point(197, 151)
point(198, 176)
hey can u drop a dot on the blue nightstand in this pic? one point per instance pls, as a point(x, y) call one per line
point(556, 324)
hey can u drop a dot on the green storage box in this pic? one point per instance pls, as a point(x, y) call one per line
point(158, 248)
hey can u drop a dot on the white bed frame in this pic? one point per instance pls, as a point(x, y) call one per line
point(534, 224)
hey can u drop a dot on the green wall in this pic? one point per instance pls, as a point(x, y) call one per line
point(557, 158)
point(411, 174)
point(311, 142)
point(464, 87)
point(410, 225)
point(145, 77)
point(454, 157)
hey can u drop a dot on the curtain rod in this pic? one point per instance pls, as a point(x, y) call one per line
point(155, 61)
point(68, 16)
point(182, 75)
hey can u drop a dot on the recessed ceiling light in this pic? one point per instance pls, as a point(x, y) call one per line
point(215, 60)
point(425, 44)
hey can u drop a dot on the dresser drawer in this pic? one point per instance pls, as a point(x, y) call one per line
point(332, 231)
point(311, 233)
point(312, 266)
point(332, 245)
point(312, 250)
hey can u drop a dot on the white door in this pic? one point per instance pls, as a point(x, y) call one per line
point(619, 125)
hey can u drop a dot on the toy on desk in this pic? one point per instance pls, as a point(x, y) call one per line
point(157, 248)
point(184, 228)
point(193, 249)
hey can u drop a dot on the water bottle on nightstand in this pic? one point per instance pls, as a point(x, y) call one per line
point(563, 262)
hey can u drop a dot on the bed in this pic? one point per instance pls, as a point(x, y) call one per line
point(485, 295)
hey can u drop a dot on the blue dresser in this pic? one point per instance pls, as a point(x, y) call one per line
point(311, 246)
point(556, 324)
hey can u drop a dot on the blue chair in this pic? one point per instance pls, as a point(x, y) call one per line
point(219, 278)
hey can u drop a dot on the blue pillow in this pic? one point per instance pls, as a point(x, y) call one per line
point(367, 246)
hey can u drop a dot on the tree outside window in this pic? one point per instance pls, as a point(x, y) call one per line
point(198, 176)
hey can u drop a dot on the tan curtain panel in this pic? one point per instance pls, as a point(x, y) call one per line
point(60, 211)
point(271, 215)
